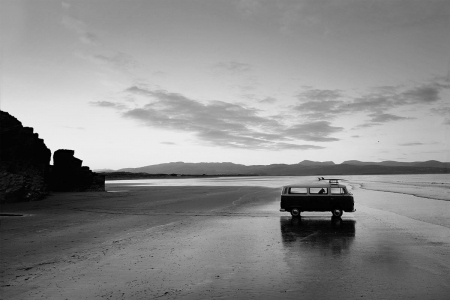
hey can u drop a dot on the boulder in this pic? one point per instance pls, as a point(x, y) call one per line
point(68, 174)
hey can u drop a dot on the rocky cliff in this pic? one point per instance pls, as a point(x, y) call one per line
point(25, 170)
point(24, 162)
point(68, 174)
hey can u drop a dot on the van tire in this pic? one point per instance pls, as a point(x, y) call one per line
point(295, 212)
point(336, 212)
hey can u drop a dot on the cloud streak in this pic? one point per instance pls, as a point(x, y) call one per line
point(383, 118)
point(80, 28)
point(220, 123)
point(108, 104)
point(231, 125)
point(332, 17)
point(233, 67)
point(315, 131)
point(316, 104)
point(95, 51)
point(411, 144)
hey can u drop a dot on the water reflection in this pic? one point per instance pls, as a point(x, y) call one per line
point(321, 234)
point(264, 181)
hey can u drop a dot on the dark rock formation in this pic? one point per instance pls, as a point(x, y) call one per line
point(68, 174)
point(24, 162)
point(25, 170)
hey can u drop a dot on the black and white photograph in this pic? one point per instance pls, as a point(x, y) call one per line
point(224, 149)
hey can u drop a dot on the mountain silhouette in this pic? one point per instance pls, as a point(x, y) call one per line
point(306, 167)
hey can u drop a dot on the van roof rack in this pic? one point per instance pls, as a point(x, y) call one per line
point(330, 180)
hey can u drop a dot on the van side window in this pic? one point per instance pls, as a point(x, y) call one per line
point(317, 191)
point(337, 191)
point(298, 191)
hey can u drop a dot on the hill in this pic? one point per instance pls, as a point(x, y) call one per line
point(428, 164)
point(352, 167)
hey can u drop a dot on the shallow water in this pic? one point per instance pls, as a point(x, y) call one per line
point(264, 181)
point(434, 186)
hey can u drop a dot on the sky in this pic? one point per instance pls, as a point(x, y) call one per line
point(255, 82)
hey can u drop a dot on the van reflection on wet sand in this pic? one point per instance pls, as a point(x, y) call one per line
point(328, 235)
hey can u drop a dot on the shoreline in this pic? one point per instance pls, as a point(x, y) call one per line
point(137, 176)
point(113, 176)
point(436, 190)
point(362, 186)
point(434, 187)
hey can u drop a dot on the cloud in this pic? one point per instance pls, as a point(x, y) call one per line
point(233, 125)
point(422, 94)
point(320, 109)
point(80, 28)
point(366, 125)
point(378, 119)
point(224, 138)
point(138, 91)
point(168, 143)
point(445, 111)
point(108, 104)
point(319, 131)
point(173, 110)
point(319, 104)
point(222, 124)
point(320, 95)
point(322, 104)
point(95, 50)
point(233, 66)
point(269, 100)
point(442, 111)
point(411, 144)
point(427, 93)
point(383, 118)
point(369, 103)
point(117, 59)
point(328, 104)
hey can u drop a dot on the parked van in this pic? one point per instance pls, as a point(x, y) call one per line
point(320, 196)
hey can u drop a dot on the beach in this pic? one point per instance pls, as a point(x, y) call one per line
point(141, 241)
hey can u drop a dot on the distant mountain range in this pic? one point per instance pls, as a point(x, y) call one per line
point(306, 167)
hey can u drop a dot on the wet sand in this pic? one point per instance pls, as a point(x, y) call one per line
point(222, 242)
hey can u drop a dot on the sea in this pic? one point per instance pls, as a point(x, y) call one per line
point(432, 186)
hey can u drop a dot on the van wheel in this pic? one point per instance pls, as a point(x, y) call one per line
point(336, 212)
point(295, 212)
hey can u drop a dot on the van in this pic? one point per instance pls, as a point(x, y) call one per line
point(320, 196)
